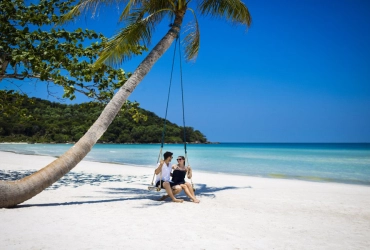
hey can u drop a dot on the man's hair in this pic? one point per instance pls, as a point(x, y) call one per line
point(167, 154)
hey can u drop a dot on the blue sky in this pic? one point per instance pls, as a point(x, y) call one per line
point(300, 73)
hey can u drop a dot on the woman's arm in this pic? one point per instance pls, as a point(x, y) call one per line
point(173, 167)
point(189, 172)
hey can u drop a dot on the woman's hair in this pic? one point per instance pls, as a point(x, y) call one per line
point(182, 157)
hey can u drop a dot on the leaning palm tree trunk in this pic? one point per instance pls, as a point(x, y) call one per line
point(16, 192)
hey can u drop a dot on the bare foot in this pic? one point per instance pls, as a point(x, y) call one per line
point(163, 197)
point(196, 201)
point(178, 200)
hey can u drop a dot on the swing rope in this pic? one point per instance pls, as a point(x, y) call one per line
point(165, 119)
point(168, 100)
point(183, 113)
point(177, 44)
point(182, 97)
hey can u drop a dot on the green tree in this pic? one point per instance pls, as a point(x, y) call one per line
point(141, 16)
point(30, 47)
point(48, 119)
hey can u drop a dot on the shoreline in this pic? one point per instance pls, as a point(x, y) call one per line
point(270, 176)
point(205, 143)
point(109, 206)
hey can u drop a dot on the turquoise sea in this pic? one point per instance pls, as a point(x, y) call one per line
point(343, 163)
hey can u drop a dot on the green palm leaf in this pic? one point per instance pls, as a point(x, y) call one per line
point(233, 10)
point(192, 39)
point(142, 16)
point(138, 32)
point(85, 6)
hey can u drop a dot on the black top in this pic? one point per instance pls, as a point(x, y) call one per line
point(178, 176)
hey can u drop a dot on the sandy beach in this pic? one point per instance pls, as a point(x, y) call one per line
point(108, 206)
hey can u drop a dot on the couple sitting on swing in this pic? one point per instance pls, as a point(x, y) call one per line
point(163, 178)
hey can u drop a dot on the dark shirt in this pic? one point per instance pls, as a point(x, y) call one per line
point(178, 176)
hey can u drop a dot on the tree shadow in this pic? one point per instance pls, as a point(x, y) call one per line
point(79, 202)
point(77, 179)
point(71, 179)
point(204, 190)
point(129, 194)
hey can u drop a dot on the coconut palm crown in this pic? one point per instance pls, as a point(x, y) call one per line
point(141, 17)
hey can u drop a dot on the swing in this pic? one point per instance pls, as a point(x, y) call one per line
point(152, 186)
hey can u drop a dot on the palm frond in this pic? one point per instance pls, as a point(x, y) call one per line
point(155, 5)
point(233, 10)
point(84, 6)
point(115, 55)
point(172, 4)
point(131, 4)
point(144, 7)
point(124, 45)
point(192, 39)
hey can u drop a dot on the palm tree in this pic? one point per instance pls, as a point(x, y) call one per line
point(141, 17)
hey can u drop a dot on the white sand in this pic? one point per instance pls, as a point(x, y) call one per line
point(236, 212)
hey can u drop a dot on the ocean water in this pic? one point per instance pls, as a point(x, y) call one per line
point(343, 163)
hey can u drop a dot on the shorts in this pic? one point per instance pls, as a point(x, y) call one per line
point(179, 183)
point(171, 184)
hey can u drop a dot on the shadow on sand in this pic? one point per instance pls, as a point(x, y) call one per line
point(128, 194)
point(119, 194)
point(71, 179)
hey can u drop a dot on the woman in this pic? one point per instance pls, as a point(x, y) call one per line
point(178, 178)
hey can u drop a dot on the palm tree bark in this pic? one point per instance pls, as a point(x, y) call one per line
point(16, 192)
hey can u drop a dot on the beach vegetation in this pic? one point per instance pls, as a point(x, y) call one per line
point(53, 122)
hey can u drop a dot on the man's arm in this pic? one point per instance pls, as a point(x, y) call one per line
point(159, 168)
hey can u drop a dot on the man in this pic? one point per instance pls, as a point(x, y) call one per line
point(163, 176)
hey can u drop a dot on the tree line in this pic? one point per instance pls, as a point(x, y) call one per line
point(42, 121)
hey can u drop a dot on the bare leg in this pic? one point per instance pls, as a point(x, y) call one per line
point(175, 190)
point(190, 187)
point(189, 194)
point(167, 186)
